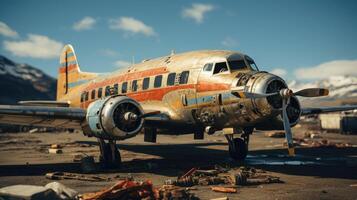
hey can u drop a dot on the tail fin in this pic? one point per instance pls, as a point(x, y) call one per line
point(69, 73)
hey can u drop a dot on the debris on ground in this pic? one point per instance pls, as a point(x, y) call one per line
point(312, 135)
point(224, 189)
point(88, 164)
point(62, 191)
point(276, 134)
point(55, 149)
point(124, 189)
point(175, 192)
point(319, 143)
point(54, 191)
point(221, 198)
point(201, 177)
point(252, 176)
point(75, 176)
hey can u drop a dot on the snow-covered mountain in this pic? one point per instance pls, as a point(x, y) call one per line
point(24, 82)
point(343, 89)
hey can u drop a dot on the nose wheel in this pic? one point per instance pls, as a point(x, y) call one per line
point(238, 147)
point(109, 154)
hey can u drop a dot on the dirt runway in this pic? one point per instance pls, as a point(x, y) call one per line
point(314, 173)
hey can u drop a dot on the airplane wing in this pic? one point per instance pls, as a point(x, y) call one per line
point(46, 116)
point(308, 111)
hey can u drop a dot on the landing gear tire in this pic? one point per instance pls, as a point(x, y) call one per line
point(109, 154)
point(238, 149)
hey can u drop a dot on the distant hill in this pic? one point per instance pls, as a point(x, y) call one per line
point(24, 82)
point(343, 90)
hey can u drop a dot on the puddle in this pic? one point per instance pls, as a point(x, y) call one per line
point(283, 159)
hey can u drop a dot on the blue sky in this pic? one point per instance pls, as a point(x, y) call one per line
point(296, 39)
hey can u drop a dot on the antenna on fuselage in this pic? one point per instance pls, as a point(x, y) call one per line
point(133, 60)
point(173, 52)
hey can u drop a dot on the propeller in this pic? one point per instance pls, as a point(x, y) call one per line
point(285, 94)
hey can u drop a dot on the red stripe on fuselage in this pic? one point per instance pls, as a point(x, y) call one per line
point(70, 68)
point(207, 86)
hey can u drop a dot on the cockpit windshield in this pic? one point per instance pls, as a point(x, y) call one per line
point(242, 64)
point(237, 64)
point(251, 63)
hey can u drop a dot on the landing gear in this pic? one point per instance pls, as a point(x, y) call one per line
point(238, 147)
point(109, 154)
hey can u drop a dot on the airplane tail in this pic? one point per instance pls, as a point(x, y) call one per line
point(69, 73)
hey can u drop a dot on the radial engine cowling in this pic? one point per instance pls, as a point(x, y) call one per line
point(115, 117)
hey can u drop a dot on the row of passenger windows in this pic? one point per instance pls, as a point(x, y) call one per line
point(172, 79)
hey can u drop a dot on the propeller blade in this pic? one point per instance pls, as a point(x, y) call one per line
point(312, 92)
point(149, 114)
point(287, 128)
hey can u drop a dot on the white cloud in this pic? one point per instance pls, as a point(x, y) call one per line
point(109, 52)
point(279, 71)
point(84, 24)
point(36, 46)
point(328, 69)
point(122, 63)
point(197, 11)
point(5, 30)
point(131, 25)
point(229, 42)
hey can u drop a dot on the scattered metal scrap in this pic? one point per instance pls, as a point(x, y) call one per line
point(220, 175)
point(319, 143)
point(81, 177)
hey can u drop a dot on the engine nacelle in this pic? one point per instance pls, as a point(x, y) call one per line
point(276, 123)
point(115, 117)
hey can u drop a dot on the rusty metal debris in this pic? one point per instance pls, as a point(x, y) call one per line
point(167, 192)
point(201, 177)
point(252, 176)
point(319, 143)
point(124, 189)
point(224, 189)
point(81, 177)
point(277, 134)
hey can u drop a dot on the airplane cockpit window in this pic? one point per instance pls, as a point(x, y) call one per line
point(251, 63)
point(208, 67)
point(184, 77)
point(237, 64)
point(220, 67)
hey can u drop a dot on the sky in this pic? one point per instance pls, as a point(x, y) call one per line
point(296, 39)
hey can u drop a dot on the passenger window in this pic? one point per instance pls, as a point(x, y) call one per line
point(124, 87)
point(220, 67)
point(146, 83)
point(157, 82)
point(184, 77)
point(92, 94)
point(208, 67)
point(82, 97)
point(100, 91)
point(171, 79)
point(116, 86)
point(134, 85)
point(107, 91)
point(86, 96)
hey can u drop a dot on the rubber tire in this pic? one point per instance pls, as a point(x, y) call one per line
point(107, 161)
point(241, 149)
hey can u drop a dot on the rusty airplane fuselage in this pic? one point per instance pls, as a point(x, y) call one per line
point(191, 89)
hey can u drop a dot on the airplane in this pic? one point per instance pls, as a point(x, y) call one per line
point(197, 92)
